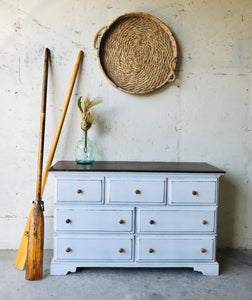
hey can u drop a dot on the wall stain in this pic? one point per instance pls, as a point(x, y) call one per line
point(220, 74)
point(17, 26)
point(40, 25)
point(8, 217)
point(19, 71)
point(77, 44)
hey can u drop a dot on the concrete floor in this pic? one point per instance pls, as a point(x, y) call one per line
point(234, 283)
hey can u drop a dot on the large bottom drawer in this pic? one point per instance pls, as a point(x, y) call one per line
point(94, 248)
point(168, 248)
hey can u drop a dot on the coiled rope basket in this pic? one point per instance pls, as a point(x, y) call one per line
point(137, 53)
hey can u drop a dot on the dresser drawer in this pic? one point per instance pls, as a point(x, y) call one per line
point(176, 221)
point(81, 219)
point(176, 249)
point(94, 248)
point(192, 192)
point(86, 191)
point(139, 191)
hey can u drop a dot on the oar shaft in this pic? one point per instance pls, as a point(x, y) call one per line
point(42, 126)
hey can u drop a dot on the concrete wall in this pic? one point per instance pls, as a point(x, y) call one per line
point(206, 115)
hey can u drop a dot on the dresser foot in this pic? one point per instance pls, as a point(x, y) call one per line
point(211, 269)
point(60, 269)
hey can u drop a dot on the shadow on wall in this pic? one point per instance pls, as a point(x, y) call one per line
point(226, 213)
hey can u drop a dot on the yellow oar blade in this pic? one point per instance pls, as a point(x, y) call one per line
point(20, 261)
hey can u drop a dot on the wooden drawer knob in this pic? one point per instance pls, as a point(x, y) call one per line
point(121, 221)
point(204, 222)
point(203, 250)
point(68, 221)
point(137, 192)
point(150, 250)
point(79, 191)
point(68, 249)
point(121, 250)
point(194, 193)
point(151, 221)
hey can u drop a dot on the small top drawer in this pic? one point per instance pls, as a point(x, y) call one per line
point(192, 192)
point(139, 191)
point(80, 190)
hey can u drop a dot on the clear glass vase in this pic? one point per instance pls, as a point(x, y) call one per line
point(84, 150)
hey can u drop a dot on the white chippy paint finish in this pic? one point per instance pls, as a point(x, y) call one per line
point(206, 115)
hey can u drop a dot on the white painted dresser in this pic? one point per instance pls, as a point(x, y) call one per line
point(135, 214)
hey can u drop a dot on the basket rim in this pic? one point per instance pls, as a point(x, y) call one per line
point(129, 15)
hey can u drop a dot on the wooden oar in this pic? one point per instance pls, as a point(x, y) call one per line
point(34, 267)
point(22, 252)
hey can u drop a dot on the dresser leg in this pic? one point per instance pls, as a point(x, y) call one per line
point(60, 269)
point(211, 269)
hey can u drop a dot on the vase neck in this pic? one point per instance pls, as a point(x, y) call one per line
point(85, 136)
point(84, 133)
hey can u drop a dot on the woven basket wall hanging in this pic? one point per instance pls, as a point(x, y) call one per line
point(137, 53)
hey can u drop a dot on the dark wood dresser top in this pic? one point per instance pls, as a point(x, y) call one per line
point(133, 166)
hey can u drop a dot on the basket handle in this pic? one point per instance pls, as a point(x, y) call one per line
point(172, 76)
point(98, 33)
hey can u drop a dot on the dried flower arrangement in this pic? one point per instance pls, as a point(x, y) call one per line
point(87, 116)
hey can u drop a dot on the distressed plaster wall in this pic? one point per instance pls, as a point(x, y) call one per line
point(206, 115)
